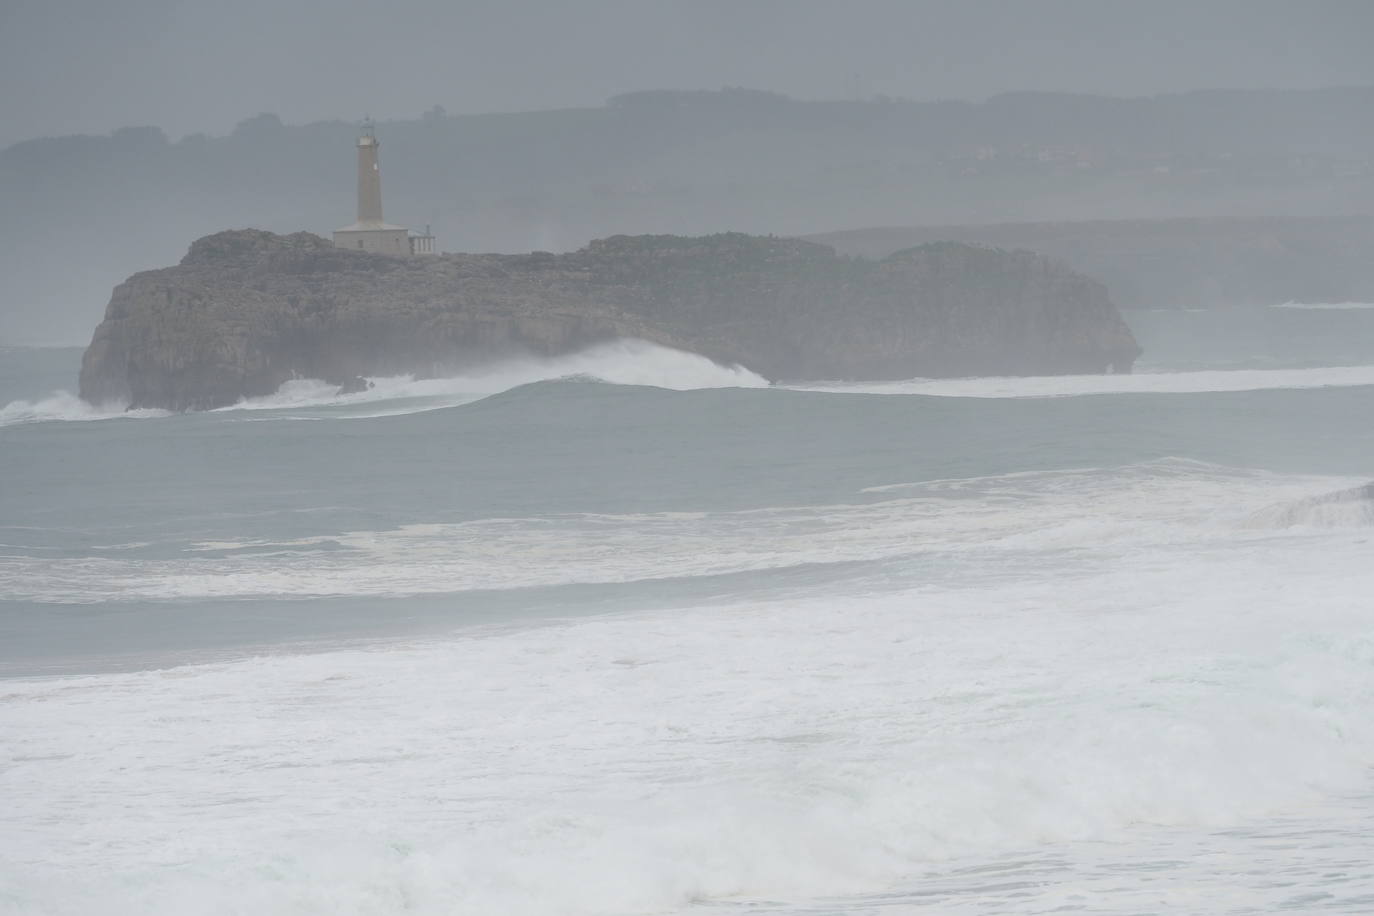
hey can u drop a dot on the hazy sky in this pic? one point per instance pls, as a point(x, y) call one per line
point(69, 66)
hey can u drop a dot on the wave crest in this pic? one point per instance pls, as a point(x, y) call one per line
point(1340, 509)
point(63, 405)
point(621, 362)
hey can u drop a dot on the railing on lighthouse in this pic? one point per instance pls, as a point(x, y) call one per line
point(422, 244)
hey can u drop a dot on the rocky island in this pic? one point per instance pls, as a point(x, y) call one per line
point(247, 310)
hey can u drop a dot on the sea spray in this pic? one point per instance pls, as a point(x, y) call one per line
point(777, 750)
point(621, 362)
point(793, 654)
point(64, 406)
point(1336, 509)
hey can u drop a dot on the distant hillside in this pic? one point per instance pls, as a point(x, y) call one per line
point(83, 212)
point(1187, 263)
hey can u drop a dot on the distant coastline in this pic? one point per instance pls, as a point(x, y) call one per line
point(686, 163)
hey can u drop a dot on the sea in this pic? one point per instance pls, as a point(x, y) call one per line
point(629, 632)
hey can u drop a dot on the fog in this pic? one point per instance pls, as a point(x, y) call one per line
point(199, 66)
point(862, 456)
point(861, 143)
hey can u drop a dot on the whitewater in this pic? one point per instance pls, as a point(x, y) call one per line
point(621, 362)
point(627, 632)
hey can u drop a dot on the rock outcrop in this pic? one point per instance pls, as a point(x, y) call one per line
point(247, 310)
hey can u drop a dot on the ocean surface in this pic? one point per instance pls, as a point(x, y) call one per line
point(631, 633)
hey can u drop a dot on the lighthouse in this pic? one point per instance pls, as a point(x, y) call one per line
point(370, 232)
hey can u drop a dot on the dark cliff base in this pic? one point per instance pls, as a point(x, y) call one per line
point(247, 310)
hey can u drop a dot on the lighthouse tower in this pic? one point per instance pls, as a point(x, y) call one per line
point(371, 232)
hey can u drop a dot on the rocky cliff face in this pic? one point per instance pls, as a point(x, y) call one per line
point(247, 310)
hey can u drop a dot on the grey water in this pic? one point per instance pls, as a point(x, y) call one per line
point(578, 646)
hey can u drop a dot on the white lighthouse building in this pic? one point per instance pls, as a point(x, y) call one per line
point(371, 232)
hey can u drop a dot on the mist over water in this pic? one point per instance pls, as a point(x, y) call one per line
point(629, 632)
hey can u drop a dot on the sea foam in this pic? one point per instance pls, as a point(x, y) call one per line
point(62, 405)
point(621, 362)
point(777, 750)
point(1352, 507)
point(1138, 383)
point(1004, 520)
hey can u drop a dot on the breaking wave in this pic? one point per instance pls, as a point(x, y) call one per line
point(1004, 521)
point(1341, 509)
point(62, 405)
point(740, 753)
point(622, 362)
